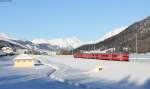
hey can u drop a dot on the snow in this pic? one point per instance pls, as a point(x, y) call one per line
point(10, 39)
point(109, 34)
point(23, 56)
point(114, 74)
point(66, 72)
point(113, 33)
point(140, 57)
point(72, 42)
point(5, 36)
point(28, 78)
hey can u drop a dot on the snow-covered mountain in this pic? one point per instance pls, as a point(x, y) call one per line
point(11, 41)
point(15, 43)
point(124, 39)
point(62, 43)
point(4, 36)
point(39, 45)
point(108, 35)
point(112, 33)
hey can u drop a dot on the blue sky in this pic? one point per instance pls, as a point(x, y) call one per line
point(85, 19)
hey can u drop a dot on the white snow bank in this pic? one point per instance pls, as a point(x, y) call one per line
point(114, 75)
point(28, 78)
point(76, 74)
point(140, 58)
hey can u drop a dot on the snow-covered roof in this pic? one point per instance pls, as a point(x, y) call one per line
point(23, 57)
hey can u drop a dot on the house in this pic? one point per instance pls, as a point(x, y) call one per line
point(7, 50)
point(24, 60)
point(21, 51)
point(52, 53)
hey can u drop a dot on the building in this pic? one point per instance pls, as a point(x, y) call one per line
point(52, 53)
point(21, 51)
point(24, 60)
point(7, 50)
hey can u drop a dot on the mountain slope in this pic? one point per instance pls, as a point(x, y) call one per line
point(126, 39)
point(47, 47)
point(112, 33)
point(9, 41)
point(39, 45)
point(68, 43)
point(108, 35)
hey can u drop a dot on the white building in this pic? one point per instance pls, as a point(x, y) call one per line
point(21, 51)
point(24, 60)
point(52, 53)
point(7, 50)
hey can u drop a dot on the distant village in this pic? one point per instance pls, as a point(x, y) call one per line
point(5, 51)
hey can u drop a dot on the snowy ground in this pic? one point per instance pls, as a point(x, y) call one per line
point(115, 74)
point(74, 73)
point(28, 78)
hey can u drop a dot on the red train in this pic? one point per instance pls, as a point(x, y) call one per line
point(113, 56)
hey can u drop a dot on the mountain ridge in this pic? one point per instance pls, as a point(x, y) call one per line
point(126, 39)
point(69, 43)
point(16, 44)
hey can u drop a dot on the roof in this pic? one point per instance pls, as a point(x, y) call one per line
point(23, 57)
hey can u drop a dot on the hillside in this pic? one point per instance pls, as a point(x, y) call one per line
point(125, 41)
point(67, 43)
point(38, 45)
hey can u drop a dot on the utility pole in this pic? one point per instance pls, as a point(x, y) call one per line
point(94, 45)
point(72, 51)
point(136, 43)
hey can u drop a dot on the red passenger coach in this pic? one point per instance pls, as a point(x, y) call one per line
point(90, 56)
point(114, 56)
point(104, 56)
point(120, 57)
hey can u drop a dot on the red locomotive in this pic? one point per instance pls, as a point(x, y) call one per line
point(113, 56)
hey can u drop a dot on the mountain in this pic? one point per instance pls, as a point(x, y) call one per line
point(108, 35)
point(9, 41)
point(112, 33)
point(134, 38)
point(47, 47)
point(38, 45)
point(67, 43)
point(4, 36)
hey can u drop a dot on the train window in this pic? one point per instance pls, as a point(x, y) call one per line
point(105, 55)
point(114, 55)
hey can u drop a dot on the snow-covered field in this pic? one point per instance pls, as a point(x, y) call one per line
point(74, 73)
point(28, 78)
